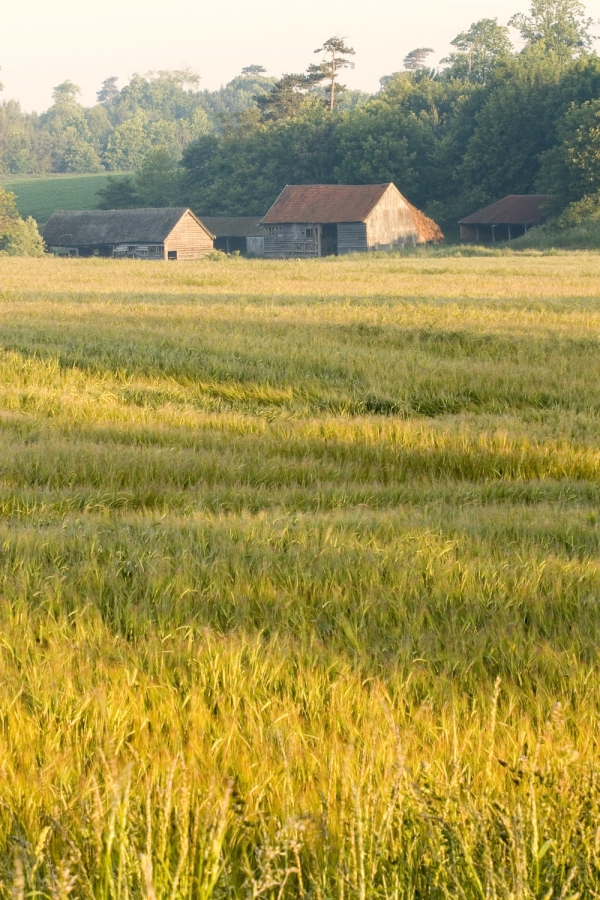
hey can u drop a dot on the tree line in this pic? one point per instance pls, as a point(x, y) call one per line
point(491, 120)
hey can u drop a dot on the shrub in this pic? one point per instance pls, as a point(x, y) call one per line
point(23, 239)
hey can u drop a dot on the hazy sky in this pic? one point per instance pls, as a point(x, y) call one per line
point(44, 43)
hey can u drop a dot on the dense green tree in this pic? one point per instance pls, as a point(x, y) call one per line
point(570, 170)
point(128, 144)
point(164, 95)
point(24, 146)
point(99, 126)
point(519, 120)
point(560, 25)
point(158, 179)
point(396, 136)
point(286, 98)
point(492, 122)
point(243, 171)
point(24, 239)
point(241, 94)
point(66, 123)
point(119, 192)
point(17, 237)
point(9, 214)
point(478, 51)
point(66, 94)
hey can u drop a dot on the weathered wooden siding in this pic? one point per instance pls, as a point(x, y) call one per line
point(286, 241)
point(255, 246)
point(188, 239)
point(352, 237)
point(468, 233)
point(391, 224)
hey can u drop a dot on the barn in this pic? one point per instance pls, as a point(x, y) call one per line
point(135, 233)
point(334, 219)
point(505, 219)
point(241, 234)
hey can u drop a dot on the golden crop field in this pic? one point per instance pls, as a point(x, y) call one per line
point(300, 579)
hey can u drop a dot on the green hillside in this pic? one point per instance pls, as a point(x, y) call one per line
point(41, 195)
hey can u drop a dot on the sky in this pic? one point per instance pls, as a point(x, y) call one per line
point(45, 43)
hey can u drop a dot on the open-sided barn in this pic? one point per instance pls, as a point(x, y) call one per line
point(237, 233)
point(505, 219)
point(136, 233)
point(334, 219)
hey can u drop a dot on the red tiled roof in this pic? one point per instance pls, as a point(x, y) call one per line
point(516, 209)
point(323, 204)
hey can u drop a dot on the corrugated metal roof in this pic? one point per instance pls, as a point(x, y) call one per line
point(233, 226)
point(516, 209)
point(323, 204)
point(91, 228)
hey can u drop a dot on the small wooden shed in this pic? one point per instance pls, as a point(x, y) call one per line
point(237, 233)
point(505, 219)
point(334, 219)
point(135, 233)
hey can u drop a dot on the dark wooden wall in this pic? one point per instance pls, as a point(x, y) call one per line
point(287, 241)
point(352, 237)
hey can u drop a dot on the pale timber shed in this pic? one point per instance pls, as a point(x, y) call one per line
point(334, 219)
point(241, 234)
point(135, 233)
point(505, 219)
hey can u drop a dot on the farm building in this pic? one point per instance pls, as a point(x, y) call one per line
point(334, 219)
point(237, 233)
point(505, 219)
point(133, 233)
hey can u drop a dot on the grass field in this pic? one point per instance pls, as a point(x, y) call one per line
point(300, 577)
point(41, 195)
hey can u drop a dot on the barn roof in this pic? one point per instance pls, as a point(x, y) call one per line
point(95, 227)
point(234, 226)
point(324, 204)
point(516, 209)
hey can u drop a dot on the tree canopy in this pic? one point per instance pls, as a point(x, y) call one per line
point(560, 25)
point(18, 237)
point(492, 119)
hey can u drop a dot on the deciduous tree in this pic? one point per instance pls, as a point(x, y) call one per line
point(157, 179)
point(478, 50)
point(560, 25)
point(18, 237)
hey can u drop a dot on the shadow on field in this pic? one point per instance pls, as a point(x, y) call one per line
point(352, 368)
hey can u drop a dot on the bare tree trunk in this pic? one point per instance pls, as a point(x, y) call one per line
point(332, 99)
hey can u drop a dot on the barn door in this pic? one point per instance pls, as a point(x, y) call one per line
point(329, 240)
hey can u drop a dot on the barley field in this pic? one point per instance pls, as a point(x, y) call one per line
point(300, 579)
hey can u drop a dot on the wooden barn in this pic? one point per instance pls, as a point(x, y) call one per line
point(334, 219)
point(505, 219)
point(135, 233)
point(237, 233)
